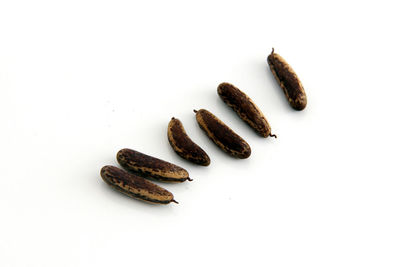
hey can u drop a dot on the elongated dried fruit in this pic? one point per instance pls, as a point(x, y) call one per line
point(288, 81)
point(245, 108)
point(135, 186)
point(152, 167)
point(222, 135)
point(184, 146)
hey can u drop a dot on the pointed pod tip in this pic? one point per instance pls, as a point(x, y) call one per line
point(173, 200)
point(272, 50)
point(195, 111)
point(189, 179)
point(273, 135)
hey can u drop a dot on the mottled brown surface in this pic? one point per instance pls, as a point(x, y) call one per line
point(150, 166)
point(288, 81)
point(135, 186)
point(184, 146)
point(245, 108)
point(222, 135)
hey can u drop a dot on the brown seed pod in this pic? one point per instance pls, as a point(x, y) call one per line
point(184, 146)
point(288, 81)
point(245, 108)
point(151, 167)
point(222, 135)
point(135, 186)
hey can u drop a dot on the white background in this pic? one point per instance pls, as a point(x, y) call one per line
point(80, 80)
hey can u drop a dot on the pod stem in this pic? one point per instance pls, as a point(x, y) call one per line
point(189, 179)
point(175, 201)
point(272, 50)
point(273, 135)
point(195, 111)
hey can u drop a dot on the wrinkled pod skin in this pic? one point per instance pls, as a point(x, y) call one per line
point(184, 146)
point(288, 81)
point(245, 108)
point(151, 167)
point(135, 186)
point(223, 136)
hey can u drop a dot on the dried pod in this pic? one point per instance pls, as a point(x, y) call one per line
point(222, 135)
point(184, 146)
point(288, 81)
point(151, 167)
point(245, 108)
point(135, 186)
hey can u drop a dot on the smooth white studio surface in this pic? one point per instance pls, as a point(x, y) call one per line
point(80, 80)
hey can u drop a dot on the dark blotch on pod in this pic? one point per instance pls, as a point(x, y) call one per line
point(151, 167)
point(222, 135)
point(184, 146)
point(245, 108)
point(288, 81)
point(135, 186)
